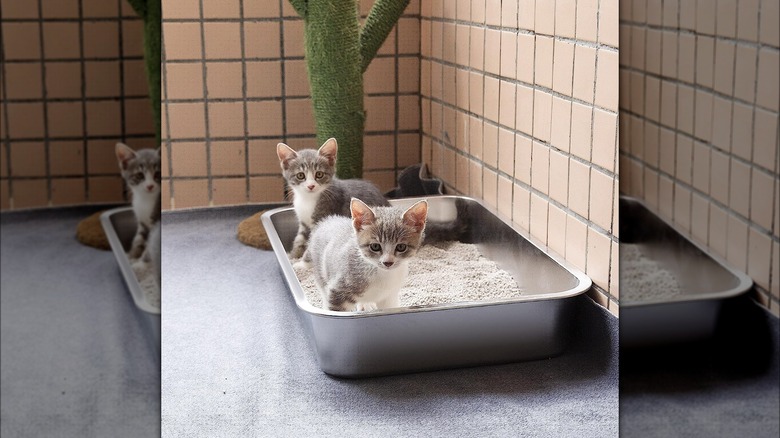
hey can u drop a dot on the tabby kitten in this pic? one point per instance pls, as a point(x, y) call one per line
point(317, 193)
point(141, 172)
point(361, 264)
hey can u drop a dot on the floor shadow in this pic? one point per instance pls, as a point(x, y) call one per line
point(744, 346)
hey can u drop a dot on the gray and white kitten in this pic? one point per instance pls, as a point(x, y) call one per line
point(141, 172)
point(361, 264)
point(317, 193)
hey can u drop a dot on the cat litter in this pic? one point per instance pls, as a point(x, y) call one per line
point(644, 279)
point(448, 272)
point(145, 274)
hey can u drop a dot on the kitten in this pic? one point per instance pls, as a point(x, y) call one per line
point(361, 264)
point(317, 193)
point(141, 171)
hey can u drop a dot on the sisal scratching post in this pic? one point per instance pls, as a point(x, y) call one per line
point(90, 232)
point(252, 233)
point(338, 52)
point(151, 12)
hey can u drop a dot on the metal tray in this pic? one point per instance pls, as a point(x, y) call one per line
point(120, 227)
point(705, 281)
point(389, 341)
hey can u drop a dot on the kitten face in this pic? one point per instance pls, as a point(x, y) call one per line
point(308, 171)
point(140, 169)
point(387, 236)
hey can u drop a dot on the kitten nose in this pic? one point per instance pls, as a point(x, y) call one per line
point(388, 264)
point(150, 187)
point(310, 186)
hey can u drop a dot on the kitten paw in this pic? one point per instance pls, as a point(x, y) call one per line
point(365, 307)
point(297, 252)
point(301, 264)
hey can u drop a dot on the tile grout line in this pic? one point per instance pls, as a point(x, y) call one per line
point(242, 33)
point(7, 136)
point(592, 146)
point(206, 100)
point(248, 59)
point(283, 91)
point(122, 105)
point(43, 101)
point(166, 134)
point(693, 32)
point(73, 60)
point(518, 31)
point(85, 141)
point(397, 100)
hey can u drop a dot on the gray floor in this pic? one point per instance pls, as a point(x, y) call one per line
point(726, 386)
point(236, 361)
point(75, 360)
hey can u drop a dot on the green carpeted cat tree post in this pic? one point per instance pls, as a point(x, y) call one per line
point(151, 13)
point(338, 52)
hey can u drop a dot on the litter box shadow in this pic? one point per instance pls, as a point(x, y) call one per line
point(744, 346)
point(591, 356)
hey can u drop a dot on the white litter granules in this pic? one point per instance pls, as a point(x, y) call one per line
point(644, 279)
point(144, 274)
point(449, 272)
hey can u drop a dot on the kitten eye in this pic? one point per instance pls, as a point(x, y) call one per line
point(319, 174)
point(157, 176)
point(301, 176)
point(375, 247)
point(401, 247)
point(139, 175)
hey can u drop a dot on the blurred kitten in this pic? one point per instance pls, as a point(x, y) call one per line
point(141, 172)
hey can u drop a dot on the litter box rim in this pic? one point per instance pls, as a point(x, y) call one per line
point(744, 282)
point(584, 282)
point(124, 262)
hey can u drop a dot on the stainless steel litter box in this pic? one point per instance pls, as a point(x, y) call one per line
point(534, 326)
point(120, 227)
point(705, 280)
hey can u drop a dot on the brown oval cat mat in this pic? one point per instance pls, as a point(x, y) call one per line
point(252, 233)
point(90, 232)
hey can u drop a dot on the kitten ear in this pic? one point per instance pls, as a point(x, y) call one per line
point(285, 154)
point(123, 154)
point(329, 150)
point(362, 214)
point(416, 215)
